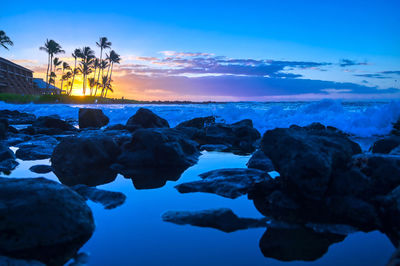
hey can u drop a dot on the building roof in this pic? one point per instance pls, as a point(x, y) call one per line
point(41, 84)
point(14, 64)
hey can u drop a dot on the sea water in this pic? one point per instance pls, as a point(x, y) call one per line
point(134, 233)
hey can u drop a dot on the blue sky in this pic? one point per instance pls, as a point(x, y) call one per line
point(365, 34)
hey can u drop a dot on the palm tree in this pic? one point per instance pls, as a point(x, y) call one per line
point(113, 57)
point(87, 56)
point(104, 82)
point(66, 77)
point(52, 48)
point(56, 62)
point(65, 66)
point(75, 55)
point(103, 44)
point(108, 88)
point(92, 83)
point(5, 40)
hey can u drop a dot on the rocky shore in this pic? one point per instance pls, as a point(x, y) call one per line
point(327, 186)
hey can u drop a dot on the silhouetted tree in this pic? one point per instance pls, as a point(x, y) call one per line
point(103, 44)
point(5, 40)
point(52, 48)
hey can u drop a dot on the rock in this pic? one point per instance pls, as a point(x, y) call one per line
point(215, 147)
point(395, 259)
point(306, 159)
point(3, 128)
point(389, 206)
point(49, 225)
point(396, 128)
point(222, 219)
point(92, 118)
point(116, 127)
point(28, 152)
point(7, 261)
point(260, 161)
point(296, 243)
point(229, 182)
point(386, 145)
point(148, 178)
point(49, 125)
point(198, 122)
point(17, 118)
point(108, 199)
point(144, 118)
point(41, 169)
point(85, 160)
point(156, 148)
point(395, 151)
point(7, 159)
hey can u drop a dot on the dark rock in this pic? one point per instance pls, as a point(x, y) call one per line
point(199, 122)
point(395, 151)
point(85, 160)
point(92, 118)
point(28, 152)
point(396, 128)
point(215, 147)
point(42, 220)
point(17, 118)
point(389, 206)
point(108, 199)
point(116, 127)
point(144, 118)
point(7, 261)
point(395, 259)
point(41, 169)
point(7, 159)
point(159, 149)
point(222, 219)
point(386, 145)
point(260, 161)
point(315, 126)
point(50, 125)
point(297, 243)
point(306, 159)
point(148, 178)
point(3, 128)
point(229, 183)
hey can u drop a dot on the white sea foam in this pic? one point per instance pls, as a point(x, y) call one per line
point(363, 119)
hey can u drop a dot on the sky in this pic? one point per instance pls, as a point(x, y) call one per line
point(222, 50)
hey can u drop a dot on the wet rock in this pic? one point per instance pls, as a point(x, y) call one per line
point(198, 122)
point(7, 261)
point(7, 159)
point(154, 148)
point(17, 118)
point(222, 219)
point(215, 147)
point(85, 160)
point(386, 145)
point(395, 151)
point(116, 127)
point(229, 182)
point(306, 159)
point(396, 128)
point(92, 118)
point(29, 152)
point(389, 206)
point(260, 161)
point(49, 125)
point(41, 169)
point(108, 199)
point(49, 225)
point(395, 259)
point(296, 243)
point(148, 178)
point(144, 118)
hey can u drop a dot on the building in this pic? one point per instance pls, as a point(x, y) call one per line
point(42, 88)
point(15, 78)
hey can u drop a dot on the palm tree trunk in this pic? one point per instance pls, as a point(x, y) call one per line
point(98, 76)
point(73, 79)
point(47, 72)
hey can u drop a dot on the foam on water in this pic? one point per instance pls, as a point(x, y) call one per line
point(363, 119)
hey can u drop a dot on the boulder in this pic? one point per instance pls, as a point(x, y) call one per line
point(85, 160)
point(156, 148)
point(92, 118)
point(7, 159)
point(7, 261)
point(17, 118)
point(108, 199)
point(50, 125)
point(41, 169)
point(145, 118)
point(386, 145)
point(42, 220)
point(307, 159)
point(198, 122)
point(222, 219)
point(260, 161)
point(229, 182)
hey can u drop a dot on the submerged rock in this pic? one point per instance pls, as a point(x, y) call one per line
point(296, 243)
point(156, 148)
point(386, 145)
point(108, 199)
point(85, 160)
point(41, 169)
point(222, 219)
point(144, 118)
point(260, 161)
point(7, 159)
point(36, 148)
point(92, 118)
point(229, 182)
point(49, 225)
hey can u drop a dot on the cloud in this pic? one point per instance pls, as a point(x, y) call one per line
point(348, 62)
point(374, 75)
point(396, 72)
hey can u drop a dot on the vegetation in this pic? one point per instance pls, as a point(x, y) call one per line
point(5, 41)
point(88, 64)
